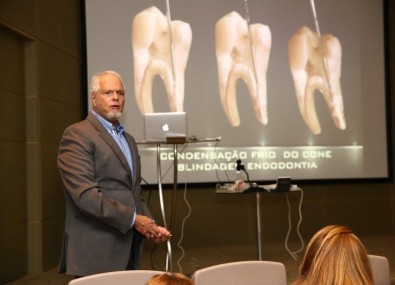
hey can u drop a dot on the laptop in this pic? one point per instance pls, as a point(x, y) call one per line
point(168, 127)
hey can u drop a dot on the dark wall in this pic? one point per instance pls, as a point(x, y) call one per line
point(40, 86)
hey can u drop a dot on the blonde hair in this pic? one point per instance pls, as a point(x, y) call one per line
point(335, 256)
point(169, 279)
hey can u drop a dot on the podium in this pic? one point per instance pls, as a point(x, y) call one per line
point(175, 141)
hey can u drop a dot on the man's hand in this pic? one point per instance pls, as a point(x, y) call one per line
point(147, 227)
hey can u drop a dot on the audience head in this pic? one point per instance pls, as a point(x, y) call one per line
point(170, 279)
point(335, 256)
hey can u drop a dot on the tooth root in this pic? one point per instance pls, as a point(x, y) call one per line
point(229, 100)
point(308, 72)
point(152, 56)
point(332, 50)
point(235, 61)
point(144, 95)
point(310, 113)
point(229, 103)
point(182, 39)
point(261, 37)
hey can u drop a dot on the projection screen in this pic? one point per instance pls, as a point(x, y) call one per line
point(292, 88)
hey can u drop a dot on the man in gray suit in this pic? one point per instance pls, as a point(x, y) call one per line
point(106, 215)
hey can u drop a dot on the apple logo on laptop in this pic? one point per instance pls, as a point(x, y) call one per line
point(165, 128)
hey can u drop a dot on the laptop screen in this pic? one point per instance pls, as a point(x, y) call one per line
point(162, 127)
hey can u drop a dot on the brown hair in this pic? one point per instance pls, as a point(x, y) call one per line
point(169, 279)
point(335, 256)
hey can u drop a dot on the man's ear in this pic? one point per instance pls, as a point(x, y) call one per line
point(93, 98)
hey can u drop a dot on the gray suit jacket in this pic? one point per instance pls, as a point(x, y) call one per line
point(101, 197)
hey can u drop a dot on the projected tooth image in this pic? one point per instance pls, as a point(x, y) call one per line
point(160, 48)
point(315, 64)
point(242, 52)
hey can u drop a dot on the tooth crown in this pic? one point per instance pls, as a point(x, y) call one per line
point(157, 50)
point(315, 64)
point(242, 53)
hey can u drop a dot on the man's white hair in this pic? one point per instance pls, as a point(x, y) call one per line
point(95, 79)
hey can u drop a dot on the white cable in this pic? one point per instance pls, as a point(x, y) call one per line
point(250, 38)
point(289, 229)
point(171, 43)
point(182, 229)
point(300, 221)
point(294, 253)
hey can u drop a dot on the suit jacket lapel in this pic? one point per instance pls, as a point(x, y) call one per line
point(105, 135)
point(135, 157)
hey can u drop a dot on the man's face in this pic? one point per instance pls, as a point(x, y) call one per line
point(109, 100)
